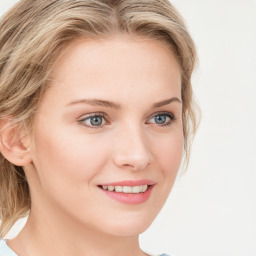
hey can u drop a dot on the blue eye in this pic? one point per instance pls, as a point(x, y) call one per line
point(94, 121)
point(98, 120)
point(163, 119)
point(160, 119)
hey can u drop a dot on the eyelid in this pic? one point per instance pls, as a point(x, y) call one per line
point(162, 113)
point(84, 116)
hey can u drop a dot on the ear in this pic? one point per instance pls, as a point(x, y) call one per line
point(13, 144)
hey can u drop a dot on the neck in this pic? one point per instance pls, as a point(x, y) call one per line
point(56, 236)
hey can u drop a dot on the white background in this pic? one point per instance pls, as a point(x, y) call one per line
point(212, 208)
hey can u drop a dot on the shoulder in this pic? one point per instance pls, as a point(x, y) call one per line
point(5, 250)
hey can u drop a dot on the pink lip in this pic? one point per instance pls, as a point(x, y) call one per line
point(130, 198)
point(130, 183)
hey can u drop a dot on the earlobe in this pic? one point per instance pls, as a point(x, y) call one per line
point(11, 144)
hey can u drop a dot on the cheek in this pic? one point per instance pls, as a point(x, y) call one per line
point(169, 153)
point(67, 161)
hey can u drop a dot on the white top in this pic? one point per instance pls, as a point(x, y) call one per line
point(5, 250)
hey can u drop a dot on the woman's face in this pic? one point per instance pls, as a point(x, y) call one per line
point(112, 119)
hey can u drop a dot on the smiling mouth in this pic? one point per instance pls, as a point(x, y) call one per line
point(129, 191)
point(126, 189)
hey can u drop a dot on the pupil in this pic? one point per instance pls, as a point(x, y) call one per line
point(96, 120)
point(160, 119)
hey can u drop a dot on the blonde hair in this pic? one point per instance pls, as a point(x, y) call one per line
point(34, 32)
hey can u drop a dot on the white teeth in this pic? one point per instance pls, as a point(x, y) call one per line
point(137, 189)
point(144, 188)
point(118, 189)
point(127, 189)
point(111, 188)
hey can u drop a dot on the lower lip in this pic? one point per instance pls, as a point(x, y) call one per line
point(130, 198)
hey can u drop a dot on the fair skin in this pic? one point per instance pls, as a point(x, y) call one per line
point(136, 135)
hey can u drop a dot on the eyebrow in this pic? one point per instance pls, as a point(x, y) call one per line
point(166, 102)
point(110, 104)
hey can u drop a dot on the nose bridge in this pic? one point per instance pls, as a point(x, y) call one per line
point(132, 148)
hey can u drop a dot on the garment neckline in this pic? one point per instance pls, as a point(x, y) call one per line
point(6, 248)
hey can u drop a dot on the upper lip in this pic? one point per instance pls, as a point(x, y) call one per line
point(130, 183)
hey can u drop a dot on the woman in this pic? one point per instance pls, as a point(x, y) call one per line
point(96, 113)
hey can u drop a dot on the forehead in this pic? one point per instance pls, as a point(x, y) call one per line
point(116, 50)
point(117, 64)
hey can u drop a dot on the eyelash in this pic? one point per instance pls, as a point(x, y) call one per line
point(103, 115)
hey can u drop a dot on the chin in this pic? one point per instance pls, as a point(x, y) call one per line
point(130, 226)
point(128, 231)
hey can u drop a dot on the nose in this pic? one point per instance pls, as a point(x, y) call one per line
point(132, 149)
